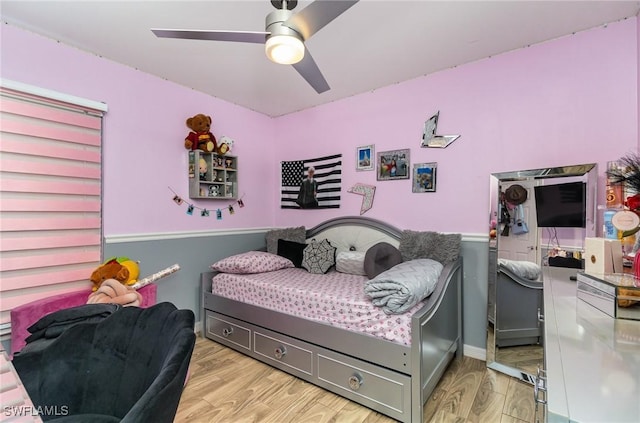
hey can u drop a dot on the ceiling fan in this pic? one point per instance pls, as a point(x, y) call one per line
point(284, 35)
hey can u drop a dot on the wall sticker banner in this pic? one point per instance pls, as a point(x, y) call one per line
point(327, 177)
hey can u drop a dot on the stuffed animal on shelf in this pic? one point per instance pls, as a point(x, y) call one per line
point(202, 166)
point(226, 144)
point(122, 269)
point(200, 137)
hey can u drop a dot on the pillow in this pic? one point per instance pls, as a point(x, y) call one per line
point(291, 250)
point(522, 268)
point(443, 248)
point(351, 262)
point(380, 257)
point(297, 234)
point(252, 262)
point(318, 257)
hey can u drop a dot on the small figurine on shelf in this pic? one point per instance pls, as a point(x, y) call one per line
point(213, 191)
point(202, 169)
point(228, 163)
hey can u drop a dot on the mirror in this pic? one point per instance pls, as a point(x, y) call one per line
point(515, 303)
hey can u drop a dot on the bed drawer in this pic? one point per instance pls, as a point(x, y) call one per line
point(226, 332)
point(353, 378)
point(284, 353)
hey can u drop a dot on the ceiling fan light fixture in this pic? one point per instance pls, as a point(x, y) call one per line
point(284, 49)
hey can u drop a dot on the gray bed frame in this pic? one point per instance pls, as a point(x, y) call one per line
point(393, 379)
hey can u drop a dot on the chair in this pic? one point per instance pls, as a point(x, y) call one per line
point(129, 367)
point(27, 314)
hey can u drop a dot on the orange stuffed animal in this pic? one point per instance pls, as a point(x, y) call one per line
point(200, 137)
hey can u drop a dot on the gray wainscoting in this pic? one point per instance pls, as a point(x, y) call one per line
point(195, 254)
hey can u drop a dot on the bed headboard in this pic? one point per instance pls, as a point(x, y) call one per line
point(355, 233)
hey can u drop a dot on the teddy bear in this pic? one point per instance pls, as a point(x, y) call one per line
point(225, 145)
point(122, 269)
point(200, 137)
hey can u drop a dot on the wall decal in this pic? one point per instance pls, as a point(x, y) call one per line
point(367, 191)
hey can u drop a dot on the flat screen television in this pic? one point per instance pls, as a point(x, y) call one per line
point(561, 205)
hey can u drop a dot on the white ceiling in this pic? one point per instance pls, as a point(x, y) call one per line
point(373, 44)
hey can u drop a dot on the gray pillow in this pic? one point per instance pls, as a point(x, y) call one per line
point(297, 234)
point(443, 248)
point(380, 257)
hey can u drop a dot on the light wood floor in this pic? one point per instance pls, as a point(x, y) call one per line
point(226, 386)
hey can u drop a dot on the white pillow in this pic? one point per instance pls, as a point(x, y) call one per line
point(351, 262)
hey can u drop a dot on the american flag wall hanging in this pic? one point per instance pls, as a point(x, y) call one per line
point(327, 177)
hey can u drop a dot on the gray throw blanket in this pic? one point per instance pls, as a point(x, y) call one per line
point(404, 285)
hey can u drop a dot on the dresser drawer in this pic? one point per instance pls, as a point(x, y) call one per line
point(286, 354)
point(222, 330)
point(383, 388)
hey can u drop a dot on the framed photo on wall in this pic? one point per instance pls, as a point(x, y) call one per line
point(364, 157)
point(393, 164)
point(424, 177)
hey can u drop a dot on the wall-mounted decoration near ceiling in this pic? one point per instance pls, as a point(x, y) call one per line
point(301, 190)
point(429, 137)
point(367, 192)
point(424, 177)
point(393, 164)
point(364, 157)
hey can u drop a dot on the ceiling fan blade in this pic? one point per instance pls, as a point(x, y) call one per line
point(314, 17)
point(257, 37)
point(308, 69)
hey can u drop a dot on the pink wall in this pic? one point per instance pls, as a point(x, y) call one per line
point(144, 132)
point(568, 101)
point(571, 100)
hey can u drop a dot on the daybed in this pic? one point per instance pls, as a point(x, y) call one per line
point(393, 377)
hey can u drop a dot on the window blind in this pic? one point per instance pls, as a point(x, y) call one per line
point(50, 196)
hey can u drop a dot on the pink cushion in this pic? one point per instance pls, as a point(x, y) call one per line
point(22, 317)
point(252, 262)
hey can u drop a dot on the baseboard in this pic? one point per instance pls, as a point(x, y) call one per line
point(475, 352)
point(198, 327)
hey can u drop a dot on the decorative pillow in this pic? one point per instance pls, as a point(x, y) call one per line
point(297, 234)
point(443, 248)
point(351, 262)
point(318, 257)
point(380, 257)
point(252, 262)
point(291, 250)
point(522, 268)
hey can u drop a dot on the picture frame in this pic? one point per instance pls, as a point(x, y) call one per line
point(424, 177)
point(393, 164)
point(364, 157)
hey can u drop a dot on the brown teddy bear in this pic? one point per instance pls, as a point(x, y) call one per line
point(200, 137)
point(109, 270)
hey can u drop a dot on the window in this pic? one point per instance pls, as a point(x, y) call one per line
point(50, 194)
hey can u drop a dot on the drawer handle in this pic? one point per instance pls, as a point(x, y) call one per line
point(355, 382)
point(226, 332)
point(540, 316)
point(280, 352)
